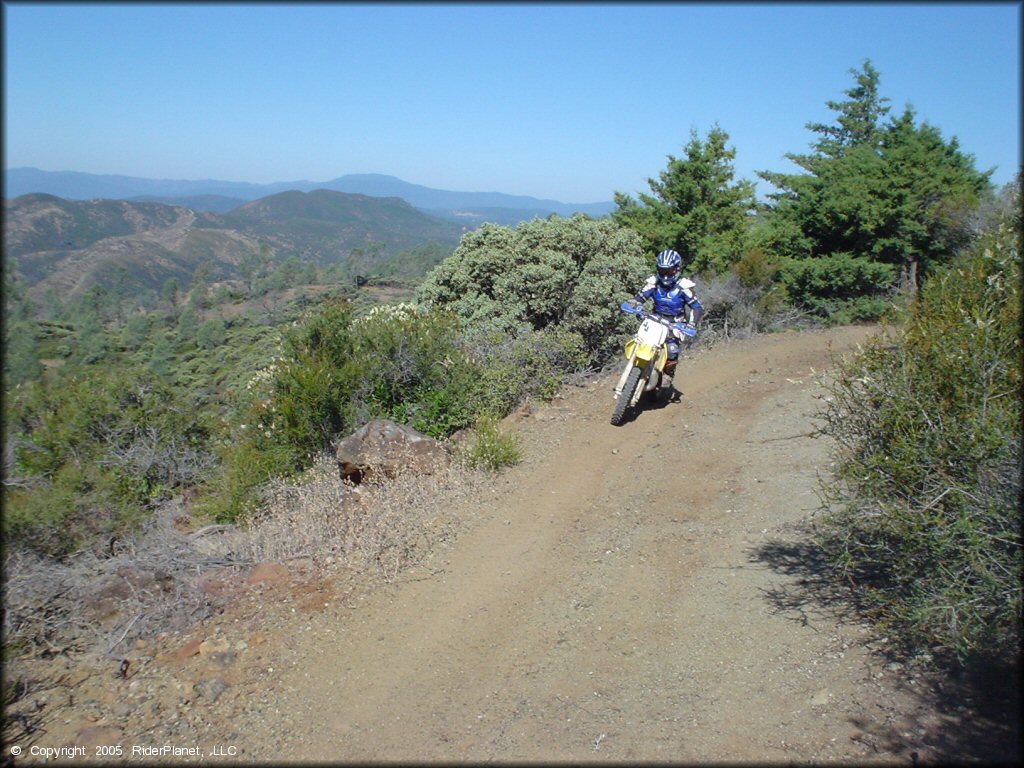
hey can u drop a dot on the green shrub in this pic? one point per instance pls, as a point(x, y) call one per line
point(415, 370)
point(246, 465)
point(288, 411)
point(756, 269)
point(337, 372)
point(533, 365)
point(489, 447)
point(77, 505)
point(396, 362)
point(925, 516)
point(211, 333)
point(91, 453)
point(21, 352)
point(840, 287)
point(572, 272)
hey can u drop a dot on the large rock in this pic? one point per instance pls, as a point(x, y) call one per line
point(384, 449)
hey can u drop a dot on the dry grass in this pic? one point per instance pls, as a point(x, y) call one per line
point(97, 606)
point(387, 525)
point(102, 604)
point(93, 604)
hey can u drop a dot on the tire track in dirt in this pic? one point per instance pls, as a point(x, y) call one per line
point(606, 602)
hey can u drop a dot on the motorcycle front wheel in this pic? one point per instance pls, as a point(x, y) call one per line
point(626, 397)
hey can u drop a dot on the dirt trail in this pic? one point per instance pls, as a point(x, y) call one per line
point(620, 596)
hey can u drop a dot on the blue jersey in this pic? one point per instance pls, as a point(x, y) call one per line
point(673, 301)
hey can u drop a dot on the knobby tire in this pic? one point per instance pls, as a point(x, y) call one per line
point(626, 397)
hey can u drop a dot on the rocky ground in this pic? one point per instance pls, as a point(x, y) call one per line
point(640, 593)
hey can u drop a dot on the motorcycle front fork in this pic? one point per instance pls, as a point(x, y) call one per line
point(653, 380)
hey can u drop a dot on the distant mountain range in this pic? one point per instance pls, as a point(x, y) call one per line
point(468, 208)
point(61, 247)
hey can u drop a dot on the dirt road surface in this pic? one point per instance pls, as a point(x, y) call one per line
point(639, 593)
point(622, 595)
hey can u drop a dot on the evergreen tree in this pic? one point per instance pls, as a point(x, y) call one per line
point(17, 304)
point(250, 266)
point(53, 307)
point(199, 295)
point(695, 207)
point(119, 292)
point(21, 352)
point(859, 120)
point(880, 201)
point(136, 331)
point(161, 360)
point(307, 274)
point(285, 275)
point(188, 324)
point(932, 191)
point(169, 293)
point(211, 333)
point(91, 341)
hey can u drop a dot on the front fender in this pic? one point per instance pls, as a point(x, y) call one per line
point(645, 352)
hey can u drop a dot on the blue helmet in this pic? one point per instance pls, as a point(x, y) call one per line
point(668, 268)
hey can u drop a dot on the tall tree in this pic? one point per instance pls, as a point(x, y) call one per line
point(255, 266)
point(695, 207)
point(199, 294)
point(859, 118)
point(169, 293)
point(932, 190)
point(119, 293)
point(892, 193)
point(92, 342)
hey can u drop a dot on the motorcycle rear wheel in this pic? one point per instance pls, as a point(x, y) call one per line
point(626, 397)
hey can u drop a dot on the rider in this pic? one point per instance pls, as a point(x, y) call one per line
point(673, 299)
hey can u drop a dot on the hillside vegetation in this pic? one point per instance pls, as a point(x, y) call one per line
point(215, 354)
point(62, 249)
point(927, 419)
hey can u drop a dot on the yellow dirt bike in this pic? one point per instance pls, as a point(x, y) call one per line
point(646, 354)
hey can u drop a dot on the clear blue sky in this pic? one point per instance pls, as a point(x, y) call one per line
point(565, 101)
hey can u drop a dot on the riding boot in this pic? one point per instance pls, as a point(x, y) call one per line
point(667, 374)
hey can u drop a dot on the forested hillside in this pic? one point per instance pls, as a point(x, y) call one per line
point(151, 350)
point(60, 249)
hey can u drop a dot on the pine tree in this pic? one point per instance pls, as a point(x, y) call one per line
point(860, 118)
point(695, 207)
point(893, 195)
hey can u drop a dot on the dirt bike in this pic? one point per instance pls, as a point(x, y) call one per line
point(646, 354)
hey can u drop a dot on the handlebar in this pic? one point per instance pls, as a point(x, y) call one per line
point(633, 309)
